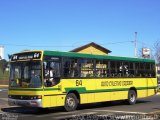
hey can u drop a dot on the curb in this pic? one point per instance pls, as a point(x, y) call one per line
point(3, 85)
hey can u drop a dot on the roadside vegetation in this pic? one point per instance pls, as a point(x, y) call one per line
point(4, 73)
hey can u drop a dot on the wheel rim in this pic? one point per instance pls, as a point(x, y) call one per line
point(70, 102)
point(132, 97)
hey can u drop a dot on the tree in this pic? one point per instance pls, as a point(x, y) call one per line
point(3, 64)
point(4, 75)
point(156, 48)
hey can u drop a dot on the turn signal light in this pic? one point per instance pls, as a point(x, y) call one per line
point(39, 97)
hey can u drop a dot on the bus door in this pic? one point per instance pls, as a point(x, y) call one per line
point(51, 82)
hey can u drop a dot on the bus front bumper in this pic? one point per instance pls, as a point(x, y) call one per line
point(27, 103)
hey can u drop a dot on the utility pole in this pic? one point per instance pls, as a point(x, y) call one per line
point(135, 45)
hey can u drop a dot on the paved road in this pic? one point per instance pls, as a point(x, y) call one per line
point(147, 108)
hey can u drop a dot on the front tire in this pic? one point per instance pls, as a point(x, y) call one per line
point(132, 97)
point(71, 102)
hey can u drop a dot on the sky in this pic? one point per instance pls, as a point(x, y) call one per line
point(63, 25)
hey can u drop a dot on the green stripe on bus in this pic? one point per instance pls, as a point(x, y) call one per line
point(21, 89)
point(50, 89)
point(143, 88)
point(46, 89)
point(83, 89)
point(79, 89)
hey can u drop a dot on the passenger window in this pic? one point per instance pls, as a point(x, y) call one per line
point(70, 67)
point(51, 73)
point(101, 68)
point(87, 67)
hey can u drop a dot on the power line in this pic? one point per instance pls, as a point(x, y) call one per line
point(120, 42)
point(26, 45)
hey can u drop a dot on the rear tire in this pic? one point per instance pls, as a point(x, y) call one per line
point(71, 102)
point(132, 97)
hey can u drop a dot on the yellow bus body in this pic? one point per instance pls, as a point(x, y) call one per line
point(92, 90)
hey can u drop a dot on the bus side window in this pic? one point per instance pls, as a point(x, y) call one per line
point(112, 68)
point(71, 67)
point(126, 69)
point(51, 73)
point(86, 67)
point(55, 69)
point(101, 67)
point(152, 70)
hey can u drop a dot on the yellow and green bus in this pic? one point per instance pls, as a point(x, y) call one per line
point(47, 79)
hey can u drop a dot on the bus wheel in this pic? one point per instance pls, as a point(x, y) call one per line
point(71, 102)
point(132, 97)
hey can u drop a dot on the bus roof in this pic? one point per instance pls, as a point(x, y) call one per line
point(108, 57)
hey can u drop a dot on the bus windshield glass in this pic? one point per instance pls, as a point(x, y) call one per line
point(25, 74)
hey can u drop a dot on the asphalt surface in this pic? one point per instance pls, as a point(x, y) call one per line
point(144, 109)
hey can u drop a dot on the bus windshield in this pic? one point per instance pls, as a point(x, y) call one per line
point(25, 74)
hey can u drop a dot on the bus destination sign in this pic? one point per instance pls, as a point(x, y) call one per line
point(26, 56)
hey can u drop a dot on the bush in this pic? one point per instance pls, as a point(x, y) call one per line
point(4, 75)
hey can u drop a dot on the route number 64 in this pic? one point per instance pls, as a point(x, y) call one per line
point(78, 82)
